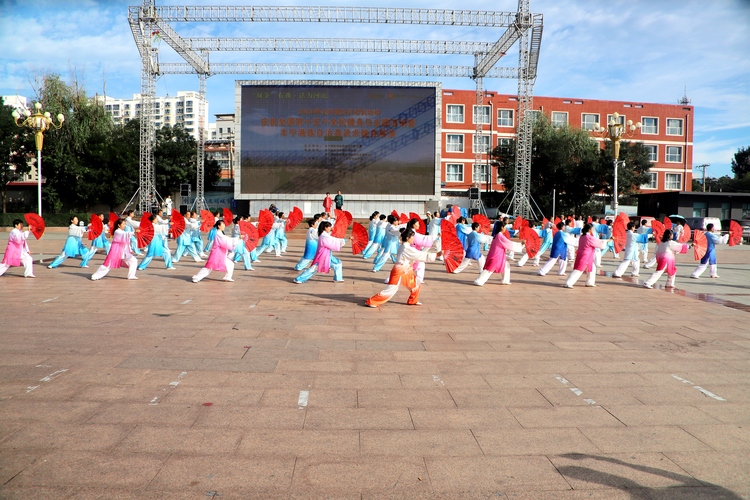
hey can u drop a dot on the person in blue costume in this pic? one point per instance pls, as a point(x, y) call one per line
point(311, 245)
point(463, 230)
point(631, 251)
point(159, 246)
point(377, 241)
point(474, 242)
point(240, 251)
point(709, 259)
point(324, 259)
point(390, 243)
point(185, 241)
point(73, 243)
point(100, 242)
point(130, 226)
point(212, 233)
point(559, 250)
point(281, 242)
point(371, 230)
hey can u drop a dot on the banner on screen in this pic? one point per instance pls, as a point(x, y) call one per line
point(302, 139)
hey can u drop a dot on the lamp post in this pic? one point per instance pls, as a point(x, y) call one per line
point(616, 131)
point(38, 122)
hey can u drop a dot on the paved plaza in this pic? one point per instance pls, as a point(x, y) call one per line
point(165, 389)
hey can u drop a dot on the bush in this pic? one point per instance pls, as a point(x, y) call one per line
point(50, 220)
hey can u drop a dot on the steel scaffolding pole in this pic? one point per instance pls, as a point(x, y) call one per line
point(200, 200)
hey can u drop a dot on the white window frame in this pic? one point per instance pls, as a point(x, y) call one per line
point(504, 141)
point(590, 126)
point(486, 143)
point(643, 125)
point(552, 118)
point(502, 121)
point(667, 154)
point(460, 172)
point(448, 143)
point(667, 183)
point(620, 119)
point(485, 112)
point(448, 115)
point(484, 172)
point(647, 146)
point(653, 181)
point(681, 133)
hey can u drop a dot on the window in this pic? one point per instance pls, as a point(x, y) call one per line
point(480, 173)
point(454, 172)
point(454, 143)
point(504, 117)
point(533, 114)
point(649, 125)
point(700, 208)
point(674, 154)
point(559, 119)
point(725, 211)
point(588, 120)
point(746, 210)
point(455, 113)
point(653, 181)
point(673, 182)
point(674, 126)
point(653, 152)
point(620, 119)
point(504, 144)
point(481, 144)
point(482, 114)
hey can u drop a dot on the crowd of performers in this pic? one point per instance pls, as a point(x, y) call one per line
point(408, 242)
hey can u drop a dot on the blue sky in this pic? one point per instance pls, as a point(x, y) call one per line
point(620, 50)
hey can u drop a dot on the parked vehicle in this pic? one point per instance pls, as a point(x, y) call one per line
point(700, 223)
point(745, 223)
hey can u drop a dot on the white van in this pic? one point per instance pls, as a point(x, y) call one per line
point(701, 222)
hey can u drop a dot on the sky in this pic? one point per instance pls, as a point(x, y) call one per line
point(637, 50)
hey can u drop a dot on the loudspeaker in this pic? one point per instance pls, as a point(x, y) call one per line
point(185, 190)
point(474, 193)
point(183, 209)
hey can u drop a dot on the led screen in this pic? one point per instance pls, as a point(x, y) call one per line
point(301, 139)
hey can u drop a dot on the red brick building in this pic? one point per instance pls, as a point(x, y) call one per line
point(667, 131)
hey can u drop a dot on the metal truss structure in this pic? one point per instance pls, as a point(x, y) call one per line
point(521, 26)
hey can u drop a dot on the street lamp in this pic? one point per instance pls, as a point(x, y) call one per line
point(616, 131)
point(38, 122)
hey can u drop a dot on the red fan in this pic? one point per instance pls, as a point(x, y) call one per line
point(339, 227)
point(348, 216)
point(557, 219)
point(456, 211)
point(589, 220)
point(395, 214)
point(517, 223)
point(619, 234)
point(453, 251)
point(145, 233)
point(657, 229)
point(532, 241)
point(265, 222)
point(36, 224)
point(341, 214)
point(403, 218)
point(485, 226)
point(735, 233)
point(685, 236)
point(294, 218)
point(545, 222)
point(447, 226)
point(700, 244)
point(667, 223)
point(421, 229)
point(359, 238)
point(227, 216)
point(95, 227)
point(177, 223)
point(250, 234)
point(207, 221)
point(297, 211)
point(112, 219)
point(625, 218)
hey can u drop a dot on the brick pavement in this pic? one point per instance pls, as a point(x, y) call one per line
point(161, 388)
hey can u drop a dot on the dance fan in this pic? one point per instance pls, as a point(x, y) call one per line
point(619, 234)
point(95, 227)
point(700, 244)
point(348, 216)
point(36, 224)
point(657, 229)
point(485, 226)
point(294, 218)
point(667, 223)
point(178, 223)
point(532, 241)
point(447, 226)
point(112, 219)
point(518, 223)
point(359, 238)
point(395, 214)
point(735, 233)
point(422, 228)
point(207, 221)
point(339, 227)
point(685, 236)
point(453, 251)
point(265, 222)
point(249, 234)
point(145, 233)
point(228, 217)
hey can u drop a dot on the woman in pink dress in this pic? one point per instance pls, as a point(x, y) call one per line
point(119, 254)
point(218, 259)
point(495, 261)
point(17, 251)
point(665, 259)
point(587, 245)
point(421, 242)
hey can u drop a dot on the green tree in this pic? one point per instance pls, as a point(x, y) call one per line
point(175, 161)
point(741, 163)
point(16, 151)
point(632, 170)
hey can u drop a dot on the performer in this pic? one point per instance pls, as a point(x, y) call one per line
point(463, 230)
point(212, 233)
point(390, 244)
point(559, 250)
point(73, 244)
point(643, 247)
point(240, 251)
point(665, 259)
point(119, 253)
point(100, 241)
point(371, 230)
point(281, 241)
point(130, 227)
point(324, 260)
point(311, 245)
point(474, 242)
point(17, 251)
point(196, 239)
point(185, 241)
point(377, 242)
point(587, 244)
point(632, 241)
point(218, 259)
point(712, 239)
point(421, 242)
point(547, 236)
point(159, 246)
point(403, 272)
point(496, 260)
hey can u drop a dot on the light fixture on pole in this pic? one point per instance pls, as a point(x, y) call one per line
point(615, 131)
point(38, 122)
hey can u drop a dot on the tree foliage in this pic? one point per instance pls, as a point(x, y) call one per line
point(741, 163)
point(16, 151)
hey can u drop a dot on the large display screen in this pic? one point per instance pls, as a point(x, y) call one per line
point(304, 139)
